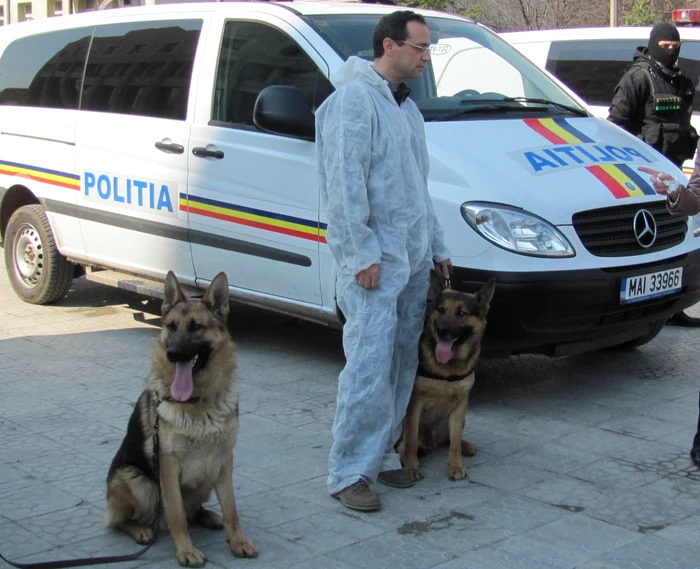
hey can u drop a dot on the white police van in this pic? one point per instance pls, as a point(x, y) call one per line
point(591, 61)
point(135, 141)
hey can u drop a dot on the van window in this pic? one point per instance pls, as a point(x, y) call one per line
point(254, 56)
point(473, 72)
point(592, 69)
point(141, 68)
point(689, 62)
point(44, 70)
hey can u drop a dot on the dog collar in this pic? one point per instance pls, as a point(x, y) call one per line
point(171, 400)
point(425, 373)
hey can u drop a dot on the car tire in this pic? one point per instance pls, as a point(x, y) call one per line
point(39, 274)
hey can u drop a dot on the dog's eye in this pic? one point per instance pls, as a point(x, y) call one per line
point(171, 327)
point(441, 309)
point(194, 326)
point(461, 313)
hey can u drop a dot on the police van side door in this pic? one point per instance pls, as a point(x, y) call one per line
point(254, 198)
point(132, 144)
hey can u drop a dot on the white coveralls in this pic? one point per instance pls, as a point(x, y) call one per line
point(373, 168)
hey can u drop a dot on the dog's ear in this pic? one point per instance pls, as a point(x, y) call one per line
point(437, 284)
point(484, 296)
point(216, 297)
point(172, 293)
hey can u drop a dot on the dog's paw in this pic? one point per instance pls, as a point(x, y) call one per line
point(191, 557)
point(468, 449)
point(415, 473)
point(243, 548)
point(142, 535)
point(456, 472)
point(210, 519)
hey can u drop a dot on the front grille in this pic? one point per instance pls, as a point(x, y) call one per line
point(609, 232)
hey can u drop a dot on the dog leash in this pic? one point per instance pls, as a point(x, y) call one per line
point(60, 563)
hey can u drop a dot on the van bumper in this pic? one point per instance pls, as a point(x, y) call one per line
point(562, 313)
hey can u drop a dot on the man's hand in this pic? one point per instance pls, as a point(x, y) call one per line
point(444, 268)
point(659, 179)
point(369, 278)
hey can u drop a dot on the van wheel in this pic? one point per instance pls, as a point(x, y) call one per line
point(653, 333)
point(39, 274)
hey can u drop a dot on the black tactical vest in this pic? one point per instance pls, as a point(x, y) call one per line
point(669, 108)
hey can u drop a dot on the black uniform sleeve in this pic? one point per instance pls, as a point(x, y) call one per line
point(628, 104)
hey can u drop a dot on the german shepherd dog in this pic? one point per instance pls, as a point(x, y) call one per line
point(191, 402)
point(449, 348)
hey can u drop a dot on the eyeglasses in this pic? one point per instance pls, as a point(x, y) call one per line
point(424, 50)
point(669, 44)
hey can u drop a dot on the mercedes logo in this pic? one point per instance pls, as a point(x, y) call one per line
point(644, 227)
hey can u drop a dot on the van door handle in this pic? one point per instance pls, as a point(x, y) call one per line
point(202, 152)
point(170, 147)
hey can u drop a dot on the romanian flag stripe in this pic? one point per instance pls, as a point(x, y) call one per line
point(250, 217)
point(53, 177)
point(562, 123)
point(620, 179)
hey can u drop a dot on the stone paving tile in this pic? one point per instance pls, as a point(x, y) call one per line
point(614, 473)
point(273, 551)
point(554, 457)
point(389, 551)
point(36, 499)
point(68, 525)
point(273, 508)
point(528, 552)
point(16, 542)
point(593, 537)
point(641, 427)
point(653, 553)
point(506, 474)
point(684, 532)
point(326, 531)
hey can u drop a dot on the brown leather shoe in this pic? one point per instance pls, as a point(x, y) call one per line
point(399, 478)
point(358, 496)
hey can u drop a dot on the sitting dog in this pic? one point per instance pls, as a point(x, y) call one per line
point(191, 404)
point(448, 351)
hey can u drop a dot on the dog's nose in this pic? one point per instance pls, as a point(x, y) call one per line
point(176, 356)
point(442, 330)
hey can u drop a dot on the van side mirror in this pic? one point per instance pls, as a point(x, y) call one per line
point(281, 109)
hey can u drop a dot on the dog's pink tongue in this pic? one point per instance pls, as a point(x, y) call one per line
point(182, 387)
point(443, 351)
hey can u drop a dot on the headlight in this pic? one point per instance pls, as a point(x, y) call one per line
point(516, 230)
point(696, 224)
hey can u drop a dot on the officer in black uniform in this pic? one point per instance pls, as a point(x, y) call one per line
point(654, 101)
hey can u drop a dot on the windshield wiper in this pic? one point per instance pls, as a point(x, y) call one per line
point(481, 109)
point(574, 110)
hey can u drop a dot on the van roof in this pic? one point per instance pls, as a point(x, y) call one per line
point(624, 32)
point(304, 7)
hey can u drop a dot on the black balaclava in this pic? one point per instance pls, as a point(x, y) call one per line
point(664, 31)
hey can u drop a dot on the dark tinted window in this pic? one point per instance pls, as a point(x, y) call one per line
point(592, 69)
point(689, 62)
point(254, 56)
point(141, 68)
point(44, 70)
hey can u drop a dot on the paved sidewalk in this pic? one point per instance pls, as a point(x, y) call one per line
point(582, 462)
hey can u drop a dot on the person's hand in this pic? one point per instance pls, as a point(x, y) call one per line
point(369, 278)
point(659, 179)
point(444, 268)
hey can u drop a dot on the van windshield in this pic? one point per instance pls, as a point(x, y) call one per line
point(473, 73)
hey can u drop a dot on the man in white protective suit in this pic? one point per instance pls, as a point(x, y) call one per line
point(382, 231)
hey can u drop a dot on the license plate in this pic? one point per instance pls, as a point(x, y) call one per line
point(651, 285)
